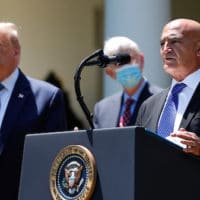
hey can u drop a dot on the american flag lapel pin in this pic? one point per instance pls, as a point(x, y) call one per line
point(20, 95)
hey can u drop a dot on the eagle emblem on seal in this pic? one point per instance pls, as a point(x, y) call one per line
point(72, 180)
point(73, 174)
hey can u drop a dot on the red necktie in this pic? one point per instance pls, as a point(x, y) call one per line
point(127, 113)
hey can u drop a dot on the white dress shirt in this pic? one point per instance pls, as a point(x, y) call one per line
point(185, 95)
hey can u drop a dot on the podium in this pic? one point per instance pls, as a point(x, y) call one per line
point(132, 164)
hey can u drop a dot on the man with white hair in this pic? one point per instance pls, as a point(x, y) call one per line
point(121, 109)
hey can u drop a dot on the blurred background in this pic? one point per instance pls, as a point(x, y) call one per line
point(57, 35)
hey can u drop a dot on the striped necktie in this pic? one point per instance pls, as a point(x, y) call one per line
point(166, 125)
point(127, 113)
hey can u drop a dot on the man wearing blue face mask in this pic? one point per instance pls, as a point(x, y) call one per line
point(121, 109)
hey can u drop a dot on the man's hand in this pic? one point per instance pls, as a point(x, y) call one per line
point(190, 139)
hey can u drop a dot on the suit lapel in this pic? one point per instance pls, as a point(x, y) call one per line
point(143, 96)
point(14, 107)
point(192, 108)
point(116, 103)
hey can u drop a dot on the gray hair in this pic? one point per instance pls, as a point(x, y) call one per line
point(119, 44)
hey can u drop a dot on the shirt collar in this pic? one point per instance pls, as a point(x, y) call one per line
point(191, 80)
point(9, 82)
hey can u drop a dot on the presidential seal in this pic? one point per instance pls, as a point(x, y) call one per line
point(73, 174)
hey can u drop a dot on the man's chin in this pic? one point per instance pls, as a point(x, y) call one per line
point(170, 65)
point(170, 69)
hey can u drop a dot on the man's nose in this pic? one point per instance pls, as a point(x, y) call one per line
point(166, 47)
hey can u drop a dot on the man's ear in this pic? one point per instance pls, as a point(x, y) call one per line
point(198, 56)
point(198, 52)
point(17, 52)
point(198, 48)
point(110, 72)
point(142, 61)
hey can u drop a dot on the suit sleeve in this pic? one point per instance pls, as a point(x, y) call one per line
point(95, 116)
point(56, 119)
point(139, 116)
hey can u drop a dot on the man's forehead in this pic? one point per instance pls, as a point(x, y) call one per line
point(183, 28)
point(171, 33)
point(174, 24)
point(3, 37)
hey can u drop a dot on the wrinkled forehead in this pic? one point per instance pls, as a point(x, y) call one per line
point(172, 29)
point(171, 33)
point(182, 28)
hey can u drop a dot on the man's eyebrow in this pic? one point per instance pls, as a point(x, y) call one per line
point(171, 38)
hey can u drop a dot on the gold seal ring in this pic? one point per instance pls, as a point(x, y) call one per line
point(73, 174)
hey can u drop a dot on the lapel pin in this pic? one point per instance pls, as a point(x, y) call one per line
point(20, 96)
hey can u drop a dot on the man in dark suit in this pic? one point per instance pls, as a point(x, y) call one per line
point(26, 106)
point(111, 111)
point(180, 52)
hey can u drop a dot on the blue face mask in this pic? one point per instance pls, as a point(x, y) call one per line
point(129, 75)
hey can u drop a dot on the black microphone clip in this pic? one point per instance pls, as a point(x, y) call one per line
point(118, 59)
point(104, 60)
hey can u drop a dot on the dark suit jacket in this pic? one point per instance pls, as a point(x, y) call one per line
point(34, 106)
point(150, 111)
point(107, 111)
